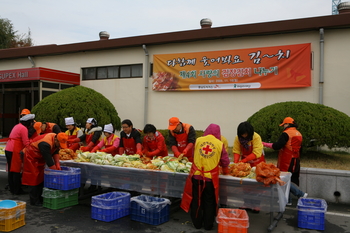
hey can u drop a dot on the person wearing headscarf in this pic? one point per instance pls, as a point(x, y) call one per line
point(153, 142)
point(18, 139)
point(201, 192)
point(289, 145)
point(91, 135)
point(110, 142)
point(42, 151)
point(73, 132)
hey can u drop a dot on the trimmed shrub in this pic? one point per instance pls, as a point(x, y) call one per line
point(78, 102)
point(319, 124)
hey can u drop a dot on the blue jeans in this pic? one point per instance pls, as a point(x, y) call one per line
point(294, 189)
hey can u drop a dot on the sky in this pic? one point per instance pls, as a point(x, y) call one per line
point(75, 21)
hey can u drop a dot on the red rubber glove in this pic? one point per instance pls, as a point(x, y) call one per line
point(188, 147)
point(139, 149)
point(121, 150)
point(267, 144)
point(53, 167)
point(248, 158)
point(96, 148)
point(56, 158)
point(225, 170)
point(176, 151)
point(108, 149)
point(88, 147)
point(236, 158)
point(74, 140)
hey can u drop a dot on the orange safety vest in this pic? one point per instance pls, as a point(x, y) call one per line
point(290, 150)
point(34, 163)
point(49, 127)
point(181, 140)
point(206, 161)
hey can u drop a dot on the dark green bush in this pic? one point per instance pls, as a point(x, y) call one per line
point(78, 102)
point(319, 124)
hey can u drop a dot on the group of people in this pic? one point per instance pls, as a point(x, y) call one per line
point(201, 193)
point(32, 145)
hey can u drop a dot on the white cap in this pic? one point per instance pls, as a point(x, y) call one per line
point(89, 120)
point(69, 120)
point(27, 117)
point(108, 128)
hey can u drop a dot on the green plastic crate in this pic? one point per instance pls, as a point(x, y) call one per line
point(58, 199)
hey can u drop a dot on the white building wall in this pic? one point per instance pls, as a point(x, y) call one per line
point(200, 108)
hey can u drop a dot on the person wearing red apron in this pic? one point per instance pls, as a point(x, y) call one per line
point(110, 142)
point(44, 150)
point(201, 192)
point(73, 132)
point(18, 139)
point(91, 135)
point(153, 142)
point(130, 139)
point(46, 127)
point(289, 144)
point(182, 137)
point(248, 148)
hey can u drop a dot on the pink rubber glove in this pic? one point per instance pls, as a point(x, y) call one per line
point(267, 144)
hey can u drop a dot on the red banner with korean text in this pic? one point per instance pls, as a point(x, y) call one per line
point(285, 66)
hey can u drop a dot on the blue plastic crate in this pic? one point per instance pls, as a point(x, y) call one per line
point(110, 206)
point(66, 179)
point(311, 213)
point(150, 210)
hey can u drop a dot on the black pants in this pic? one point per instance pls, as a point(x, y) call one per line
point(203, 205)
point(14, 179)
point(294, 168)
point(35, 194)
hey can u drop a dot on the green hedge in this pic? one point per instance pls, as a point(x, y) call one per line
point(319, 124)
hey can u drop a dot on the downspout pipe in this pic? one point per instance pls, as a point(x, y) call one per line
point(321, 81)
point(145, 112)
point(31, 61)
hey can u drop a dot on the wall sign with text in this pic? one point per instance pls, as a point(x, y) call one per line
point(287, 66)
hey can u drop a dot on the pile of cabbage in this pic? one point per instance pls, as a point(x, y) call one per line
point(168, 163)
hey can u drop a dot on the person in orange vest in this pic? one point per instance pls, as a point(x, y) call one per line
point(18, 139)
point(153, 142)
point(42, 151)
point(73, 132)
point(91, 135)
point(181, 138)
point(289, 144)
point(46, 127)
point(130, 139)
point(201, 192)
point(110, 142)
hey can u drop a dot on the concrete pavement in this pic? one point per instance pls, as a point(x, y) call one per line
point(78, 219)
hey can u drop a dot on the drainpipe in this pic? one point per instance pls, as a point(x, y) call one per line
point(320, 101)
point(145, 116)
point(31, 61)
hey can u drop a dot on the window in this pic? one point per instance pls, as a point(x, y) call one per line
point(112, 72)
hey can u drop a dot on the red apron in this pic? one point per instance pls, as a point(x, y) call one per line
point(106, 145)
point(129, 146)
point(16, 161)
point(34, 163)
point(181, 140)
point(153, 145)
point(253, 162)
point(72, 145)
point(187, 194)
point(88, 139)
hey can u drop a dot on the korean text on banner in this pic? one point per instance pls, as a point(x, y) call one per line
point(285, 66)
